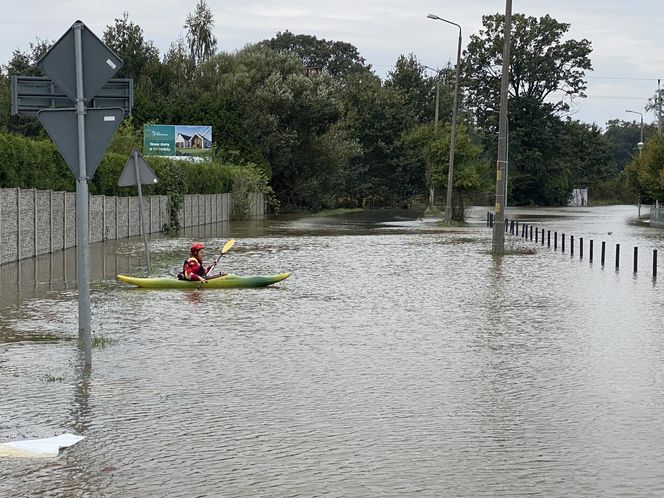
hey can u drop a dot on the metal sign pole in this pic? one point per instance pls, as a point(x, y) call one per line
point(82, 222)
point(140, 209)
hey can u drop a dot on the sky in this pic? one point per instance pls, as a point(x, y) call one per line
point(627, 57)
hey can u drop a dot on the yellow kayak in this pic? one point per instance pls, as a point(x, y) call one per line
point(228, 281)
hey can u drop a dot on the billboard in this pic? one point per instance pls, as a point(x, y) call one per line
point(176, 140)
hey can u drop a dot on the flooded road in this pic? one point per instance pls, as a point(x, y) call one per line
point(400, 357)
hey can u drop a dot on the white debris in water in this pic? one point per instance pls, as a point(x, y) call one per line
point(47, 447)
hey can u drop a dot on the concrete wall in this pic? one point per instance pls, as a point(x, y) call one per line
point(34, 222)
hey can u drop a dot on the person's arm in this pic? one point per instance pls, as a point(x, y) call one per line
point(192, 271)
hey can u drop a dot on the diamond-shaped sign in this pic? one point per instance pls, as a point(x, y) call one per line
point(62, 127)
point(99, 61)
point(136, 165)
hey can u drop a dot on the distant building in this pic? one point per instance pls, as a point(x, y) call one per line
point(579, 197)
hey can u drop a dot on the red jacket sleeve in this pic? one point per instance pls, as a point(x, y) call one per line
point(192, 270)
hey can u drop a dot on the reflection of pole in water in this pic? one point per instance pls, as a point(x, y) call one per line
point(80, 411)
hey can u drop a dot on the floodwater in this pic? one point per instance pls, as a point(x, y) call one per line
point(399, 358)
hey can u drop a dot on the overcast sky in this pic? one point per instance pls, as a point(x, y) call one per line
point(627, 57)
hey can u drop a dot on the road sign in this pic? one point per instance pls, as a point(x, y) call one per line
point(99, 61)
point(31, 94)
point(145, 173)
point(62, 127)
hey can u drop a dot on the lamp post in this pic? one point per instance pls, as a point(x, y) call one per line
point(640, 144)
point(435, 126)
point(450, 170)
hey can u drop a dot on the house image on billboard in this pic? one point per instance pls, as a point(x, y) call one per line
point(193, 137)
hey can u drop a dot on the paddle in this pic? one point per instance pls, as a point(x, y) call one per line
point(224, 250)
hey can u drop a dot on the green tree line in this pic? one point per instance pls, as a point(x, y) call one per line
point(312, 121)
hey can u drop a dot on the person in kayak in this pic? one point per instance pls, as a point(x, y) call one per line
point(193, 268)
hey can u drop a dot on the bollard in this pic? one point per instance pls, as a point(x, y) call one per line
point(511, 227)
point(617, 256)
point(516, 227)
point(654, 263)
point(591, 250)
point(571, 245)
point(580, 247)
point(548, 238)
point(636, 259)
point(555, 241)
point(506, 224)
point(523, 230)
point(603, 251)
point(562, 238)
point(531, 233)
point(542, 236)
point(536, 234)
point(488, 215)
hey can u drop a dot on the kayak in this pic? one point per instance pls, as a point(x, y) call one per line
point(228, 281)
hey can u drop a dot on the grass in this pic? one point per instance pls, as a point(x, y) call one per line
point(99, 341)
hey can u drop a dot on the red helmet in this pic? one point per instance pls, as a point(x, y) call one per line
point(196, 246)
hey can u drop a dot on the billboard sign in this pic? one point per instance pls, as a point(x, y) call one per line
point(177, 140)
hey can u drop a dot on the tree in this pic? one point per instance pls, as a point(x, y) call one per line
point(24, 64)
point(645, 172)
point(339, 59)
point(200, 38)
point(126, 39)
point(542, 65)
point(470, 169)
point(409, 78)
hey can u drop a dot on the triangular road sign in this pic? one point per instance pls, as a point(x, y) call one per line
point(100, 125)
point(145, 173)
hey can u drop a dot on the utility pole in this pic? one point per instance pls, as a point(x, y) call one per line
point(498, 239)
point(659, 107)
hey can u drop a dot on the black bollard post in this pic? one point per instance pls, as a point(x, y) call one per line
point(516, 228)
point(488, 215)
point(548, 238)
point(506, 224)
point(536, 234)
point(603, 251)
point(571, 245)
point(542, 236)
point(617, 256)
point(555, 241)
point(562, 238)
point(591, 250)
point(654, 263)
point(636, 259)
point(580, 247)
point(531, 233)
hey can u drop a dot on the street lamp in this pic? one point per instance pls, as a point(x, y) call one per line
point(435, 126)
point(640, 144)
point(438, 73)
point(450, 170)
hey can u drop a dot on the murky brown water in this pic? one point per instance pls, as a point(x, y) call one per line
point(398, 358)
